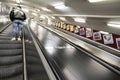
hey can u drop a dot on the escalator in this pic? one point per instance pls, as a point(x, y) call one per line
point(11, 62)
point(12, 65)
point(35, 67)
point(70, 62)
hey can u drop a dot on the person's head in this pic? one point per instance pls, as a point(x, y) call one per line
point(13, 8)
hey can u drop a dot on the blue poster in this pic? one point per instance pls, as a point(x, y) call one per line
point(118, 42)
point(76, 30)
point(88, 32)
point(97, 36)
point(108, 39)
point(82, 31)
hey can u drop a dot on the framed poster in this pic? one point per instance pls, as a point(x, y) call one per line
point(71, 28)
point(108, 39)
point(118, 42)
point(82, 31)
point(68, 27)
point(97, 36)
point(76, 30)
point(88, 32)
point(61, 24)
point(64, 26)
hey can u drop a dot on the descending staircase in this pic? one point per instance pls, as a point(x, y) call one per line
point(11, 59)
point(11, 62)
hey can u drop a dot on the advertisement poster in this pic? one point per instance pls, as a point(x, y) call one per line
point(108, 39)
point(64, 26)
point(82, 31)
point(76, 30)
point(68, 27)
point(88, 32)
point(71, 28)
point(59, 24)
point(118, 42)
point(96, 36)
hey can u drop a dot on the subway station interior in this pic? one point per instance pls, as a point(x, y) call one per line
point(61, 40)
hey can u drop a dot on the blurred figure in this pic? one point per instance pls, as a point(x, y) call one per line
point(11, 13)
point(18, 17)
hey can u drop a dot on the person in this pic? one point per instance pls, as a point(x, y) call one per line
point(17, 16)
point(11, 13)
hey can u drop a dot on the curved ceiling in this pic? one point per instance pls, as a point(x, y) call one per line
point(75, 7)
point(104, 11)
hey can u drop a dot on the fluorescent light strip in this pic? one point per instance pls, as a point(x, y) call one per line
point(53, 17)
point(81, 20)
point(18, 1)
point(103, 32)
point(62, 18)
point(45, 9)
point(60, 6)
point(94, 1)
point(113, 25)
point(34, 14)
point(43, 16)
point(25, 9)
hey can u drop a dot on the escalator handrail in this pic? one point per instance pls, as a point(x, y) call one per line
point(24, 57)
point(4, 28)
point(106, 64)
point(46, 65)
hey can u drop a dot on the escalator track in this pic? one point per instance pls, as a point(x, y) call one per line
point(11, 64)
point(19, 60)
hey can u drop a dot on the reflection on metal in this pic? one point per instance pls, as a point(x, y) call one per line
point(92, 67)
point(97, 52)
point(44, 61)
point(24, 59)
point(50, 50)
point(94, 1)
point(71, 74)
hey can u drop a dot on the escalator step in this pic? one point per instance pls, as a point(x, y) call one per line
point(33, 69)
point(36, 72)
point(17, 77)
point(11, 71)
point(9, 42)
point(29, 47)
point(10, 46)
point(38, 77)
point(33, 60)
point(32, 53)
point(12, 52)
point(4, 37)
point(10, 60)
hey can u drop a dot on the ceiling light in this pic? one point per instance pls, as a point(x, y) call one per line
point(113, 25)
point(60, 6)
point(81, 20)
point(37, 9)
point(45, 9)
point(25, 9)
point(34, 14)
point(103, 32)
point(18, 1)
point(53, 17)
point(43, 16)
point(93, 1)
point(62, 18)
